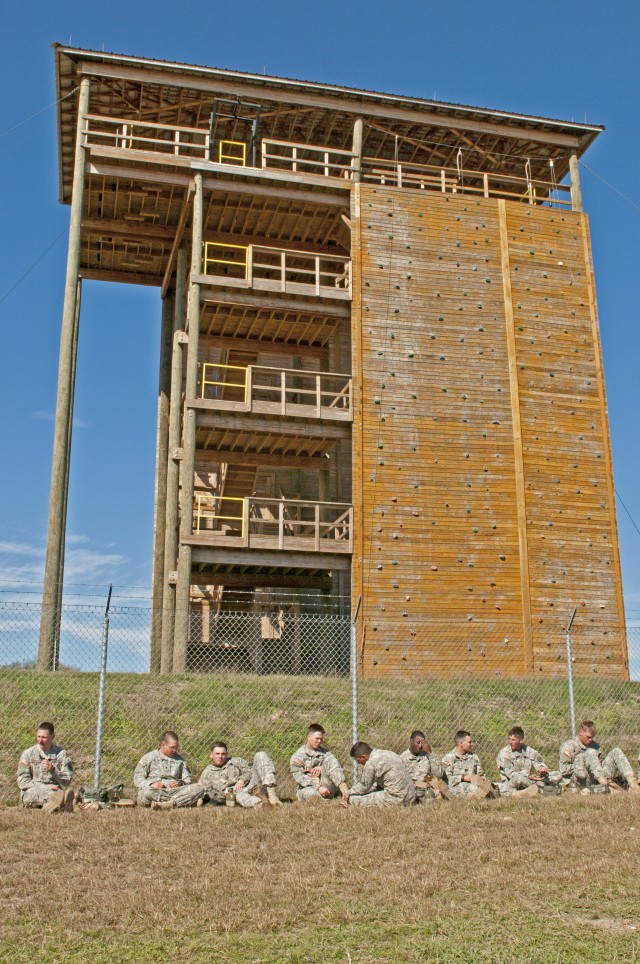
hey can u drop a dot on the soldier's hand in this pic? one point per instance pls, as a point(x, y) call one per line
point(158, 785)
point(175, 783)
point(324, 792)
point(239, 785)
point(316, 772)
point(46, 765)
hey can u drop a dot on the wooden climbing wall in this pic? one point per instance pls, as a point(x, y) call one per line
point(482, 482)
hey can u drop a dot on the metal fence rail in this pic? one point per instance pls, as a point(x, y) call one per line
point(256, 679)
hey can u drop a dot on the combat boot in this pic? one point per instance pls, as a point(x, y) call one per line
point(168, 805)
point(443, 789)
point(632, 783)
point(55, 803)
point(531, 791)
point(261, 793)
point(273, 797)
point(344, 790)
point(67, 800)
point(611, 784)
point(485, 789)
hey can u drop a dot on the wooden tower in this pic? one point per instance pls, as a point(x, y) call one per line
point(380, 368)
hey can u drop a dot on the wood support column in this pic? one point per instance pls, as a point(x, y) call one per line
point(159, 512)
point(173, 466)
point(576, 191)
point(183, 585)
point(358, 134)
point(49, 643)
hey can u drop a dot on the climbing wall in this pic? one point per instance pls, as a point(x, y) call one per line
point(480, 439)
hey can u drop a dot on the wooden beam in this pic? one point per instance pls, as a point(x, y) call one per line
point(203, 554)
point(263, 345)
point(319, 463)
point(140, 230)
point(122, 277)
point(268, 580)
point(182, 220)
point(238, 422)
point(249, 299)
point(338, 101)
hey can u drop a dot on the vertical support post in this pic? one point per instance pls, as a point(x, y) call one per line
point(103, 678)
point(183, 586)
point(576, 191)
point(160, 507)
point(54, 564)
point(358, 137)
point(572, 705)
point(173, 468)
point(354, 683)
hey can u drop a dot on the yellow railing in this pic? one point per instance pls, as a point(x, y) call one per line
point(221, 381)
point(232, 152)
point(241, 262)
point(202, 513)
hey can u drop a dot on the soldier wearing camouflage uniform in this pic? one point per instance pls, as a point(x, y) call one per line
point(316, 770)
point(163, 780)
point(463, 770)
point(522, 769)
point(424, 768)
point(44, 774)
point(583, 762)
point(232, 779)
point(384, 782)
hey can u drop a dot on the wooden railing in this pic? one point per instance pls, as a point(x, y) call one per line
point(277, 269)
point(278, 391)
point(146, 136)
point(307, 159)
point(289, 524)
point(451, 180)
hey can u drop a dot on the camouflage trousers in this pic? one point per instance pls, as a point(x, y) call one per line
point(263, 774)
point(186, 796)
point(380, 798)
point(520, 781)
point(331, 778)
point(39, 794)
point(587, 767)
point(463, 790)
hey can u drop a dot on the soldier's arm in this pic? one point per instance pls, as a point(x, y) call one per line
point(477, 766)
point(448, 765)
point(366, 782)
point(242, 771)
point(25, 774)
point(185, 774)
point(505, 764)
point(141, 775)
point(204, 776)
point(436, 765)
point(566, 760)
point(63, 772)
point(537, 761)
point(296, 765)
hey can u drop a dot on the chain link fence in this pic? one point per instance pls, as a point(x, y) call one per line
point(257, 679)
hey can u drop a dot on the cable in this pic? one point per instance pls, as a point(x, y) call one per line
point(37, 113)
point(33, 265)
point(614, 189)
point(619, 497)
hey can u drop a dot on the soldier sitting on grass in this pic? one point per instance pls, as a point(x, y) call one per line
point(316, 771)
point(463, 770)
point(522, 769)
point(583, 762)
point(44, 774)
point(424, 768)
point(162, 778)
point(385, 780)
point(233, 780)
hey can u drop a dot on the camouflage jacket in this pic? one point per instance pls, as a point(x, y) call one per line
point(384, 770)
point(573, 748)
point(525, 760)
point(155, 767)
point(218, 779)
point(29, 771)
point(421, 764)
point(304, 761)
point(456, 766)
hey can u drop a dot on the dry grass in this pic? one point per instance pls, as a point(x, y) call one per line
point(547, 880)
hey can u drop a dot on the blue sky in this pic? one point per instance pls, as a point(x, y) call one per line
point(547, 59)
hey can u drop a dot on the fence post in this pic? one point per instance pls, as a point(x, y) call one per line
point(103, 677)
point(572, 705)
point(354, 684)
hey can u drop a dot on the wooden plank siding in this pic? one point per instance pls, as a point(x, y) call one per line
point(478, 415)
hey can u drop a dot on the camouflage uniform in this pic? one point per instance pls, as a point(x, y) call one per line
point(456, 766)
point(305, 760)
point(38, 786)
point(515, 767)
point(216, 780)
point(421, 766)
point(155, 767)
point(385, 782)
point(586, 765)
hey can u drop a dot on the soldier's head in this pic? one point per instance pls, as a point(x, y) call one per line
point(464, 741)
point(218, 755)
point(360, 752)
point(44, 736)
point(416, 741)
point(169, 743)
point(516, 737)
point(315, 736)
point(587, 732)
